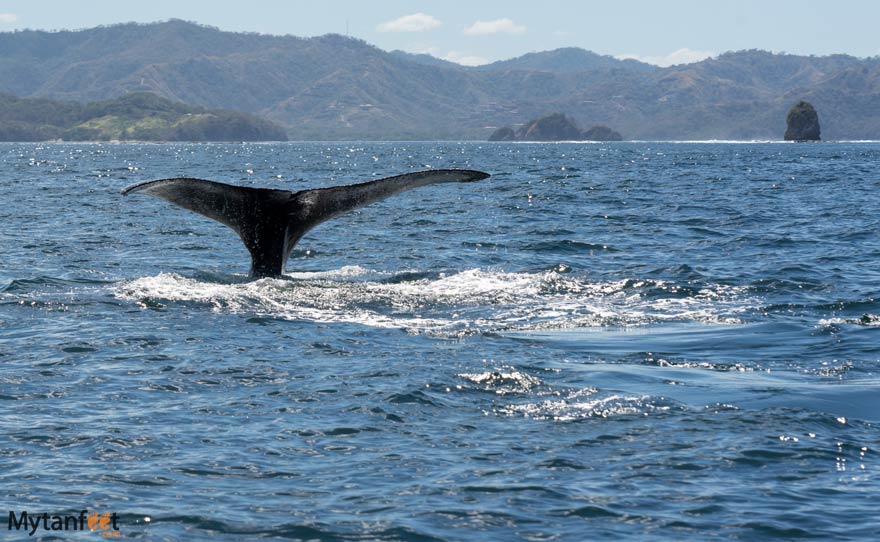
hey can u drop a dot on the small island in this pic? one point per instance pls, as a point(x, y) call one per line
point(802, 123)
point(555, 127)
point(139, 116)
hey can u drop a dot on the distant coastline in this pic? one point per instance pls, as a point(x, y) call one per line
point(337, 88)
point(445, 141)
point(140, 116)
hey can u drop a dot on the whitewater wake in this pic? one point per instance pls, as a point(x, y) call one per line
point(470, 301)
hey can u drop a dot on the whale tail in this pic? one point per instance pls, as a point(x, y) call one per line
point(270, 222)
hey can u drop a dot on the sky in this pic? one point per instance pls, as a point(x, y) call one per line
point(480, 31)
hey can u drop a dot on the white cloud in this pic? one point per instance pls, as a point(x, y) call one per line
point(417, 22)
point(498, 26)
point(433, 51)
point(458, 57)
point(465, 59)
point(6, 18)
point(682, 56)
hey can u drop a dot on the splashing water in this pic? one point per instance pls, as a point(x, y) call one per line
point(466, 302)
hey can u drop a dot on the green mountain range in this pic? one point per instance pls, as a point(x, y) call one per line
point(139, 116)
point(334, 87)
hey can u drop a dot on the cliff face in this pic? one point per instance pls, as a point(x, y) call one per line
point(802, 123)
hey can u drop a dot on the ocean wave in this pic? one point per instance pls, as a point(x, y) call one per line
point(41, 283)
point(502, 382)
point(587, 403)
point(465, 302)
point(863, 320)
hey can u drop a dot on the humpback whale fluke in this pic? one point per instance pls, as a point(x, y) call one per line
point(270, 222)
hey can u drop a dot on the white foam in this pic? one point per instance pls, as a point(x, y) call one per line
point(347, 271)
point(503, 381)
point(468, 301)
point(584, 404)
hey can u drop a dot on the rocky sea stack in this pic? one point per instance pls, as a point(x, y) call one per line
point(802, 123)
point(554, 127)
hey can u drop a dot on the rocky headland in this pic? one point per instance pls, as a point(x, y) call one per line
point(554, 127)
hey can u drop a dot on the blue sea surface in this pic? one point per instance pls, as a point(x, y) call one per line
point(627, 341)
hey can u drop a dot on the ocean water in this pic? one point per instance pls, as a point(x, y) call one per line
point(629, 341)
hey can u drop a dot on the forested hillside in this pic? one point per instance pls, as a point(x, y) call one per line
point(333, 87)
point(139, 116)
